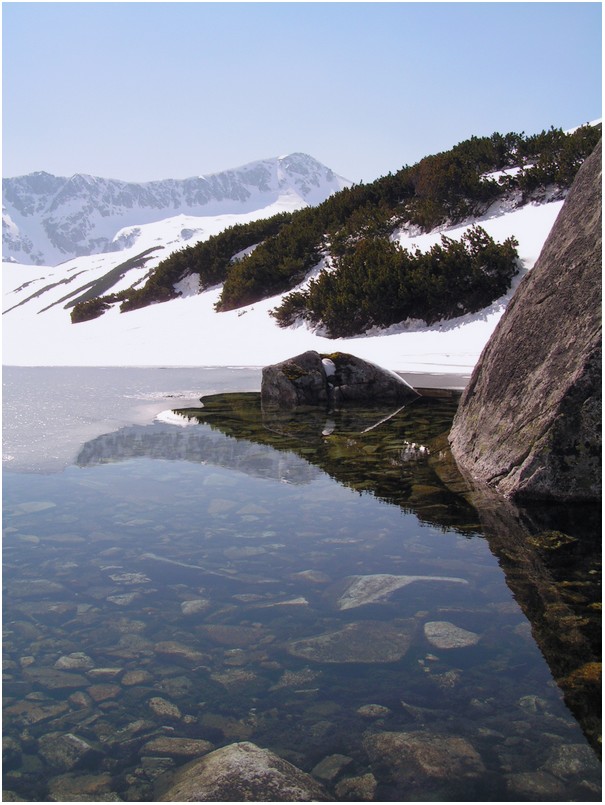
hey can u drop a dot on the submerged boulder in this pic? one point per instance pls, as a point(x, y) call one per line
point(242, 772)
point(375, 588)
point(419, 759)
point(361, 642)
point(529, 422)
point(314, 379)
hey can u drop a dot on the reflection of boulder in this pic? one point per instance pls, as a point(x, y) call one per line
point(529, 422)
point(314, 379)
point(551, 560)
point(198, 444)
point(551, 581)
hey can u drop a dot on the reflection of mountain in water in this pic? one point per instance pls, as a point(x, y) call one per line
point(198, 443)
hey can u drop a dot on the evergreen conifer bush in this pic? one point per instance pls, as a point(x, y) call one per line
point(380, 284)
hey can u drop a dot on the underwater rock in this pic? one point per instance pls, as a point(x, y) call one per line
point(11, 796)
point(104, 691)
point(82, 788)
point(330, 767)
point(372, 589)
point(138, 676)
point(123, 599)
point(296, 679)
point(26, 713)
point(76, 661)
point(11, 752)
point(232, 729)
point(80, 700)
point(234, 636)
point(571, 760)
point(179, 652)
point(373, 711)
point(445, 635)
point(105, 674)
point(413, 759)
point(34, 588)
point(236, 679)
point(242, 772)
point(67, 751)
point(363, 642)
point(54, 679)
point(311, 576)
point(534, 786)
point(166, 746)
point(195, 606)
point(357, 789)
point(164, 709)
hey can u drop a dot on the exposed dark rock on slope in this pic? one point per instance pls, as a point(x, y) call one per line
point(528, 424)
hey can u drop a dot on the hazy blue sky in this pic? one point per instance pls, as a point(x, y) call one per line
point(142, 91)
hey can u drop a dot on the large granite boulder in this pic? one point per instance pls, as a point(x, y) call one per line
point(529, 422)
point(242, 772)
point(314, 379)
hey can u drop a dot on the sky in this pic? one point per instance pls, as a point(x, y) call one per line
point(152, 90)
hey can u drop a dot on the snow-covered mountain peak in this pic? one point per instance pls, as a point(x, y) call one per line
point(49, 219)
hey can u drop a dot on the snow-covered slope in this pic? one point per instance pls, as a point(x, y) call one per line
point(188, 332)
point(48, 219)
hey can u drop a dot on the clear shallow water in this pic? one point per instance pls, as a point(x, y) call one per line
point(178, 582)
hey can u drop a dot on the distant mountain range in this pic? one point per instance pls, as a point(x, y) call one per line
point(48, 219)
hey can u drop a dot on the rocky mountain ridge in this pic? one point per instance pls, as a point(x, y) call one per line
point(48, 219)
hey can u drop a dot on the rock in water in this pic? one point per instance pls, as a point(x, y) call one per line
point(314, 379)
point(363, 642)
point(375, 588)
point(297, 381)
point(242, 772)
point(444, 635)
point(417, 759)
point(528, 423)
